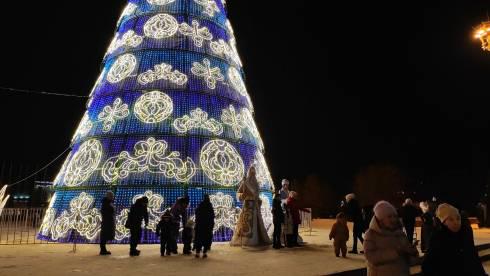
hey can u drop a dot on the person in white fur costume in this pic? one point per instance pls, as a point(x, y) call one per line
point(250, 229)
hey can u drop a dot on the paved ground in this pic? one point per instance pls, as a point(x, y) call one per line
point(316, 258)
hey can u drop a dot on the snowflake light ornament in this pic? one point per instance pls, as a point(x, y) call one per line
point(210, 74)
point(209, 6)
point(197, 33)
point(110, 114)
point(128, 39)
point(235, 120)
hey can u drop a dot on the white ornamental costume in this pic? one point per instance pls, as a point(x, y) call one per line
point(250, 229)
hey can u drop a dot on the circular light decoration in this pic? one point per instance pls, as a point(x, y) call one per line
point(83, 163)
point(153, 107)
point(122, 68)
point(222, 163)
point(161, 26)
point(237, 81)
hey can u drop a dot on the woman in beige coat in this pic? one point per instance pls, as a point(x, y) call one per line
point(386, 247)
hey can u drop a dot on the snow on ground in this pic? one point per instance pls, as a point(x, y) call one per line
point(316, 258)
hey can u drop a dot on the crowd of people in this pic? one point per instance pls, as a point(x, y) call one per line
point(386, 234)
point(197, 234)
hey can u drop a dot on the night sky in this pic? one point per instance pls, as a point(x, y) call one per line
point(337, 87)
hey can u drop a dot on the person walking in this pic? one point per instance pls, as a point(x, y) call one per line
point(355, 214)
point(108, 224)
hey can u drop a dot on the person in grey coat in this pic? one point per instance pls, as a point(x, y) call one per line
point(386, 247)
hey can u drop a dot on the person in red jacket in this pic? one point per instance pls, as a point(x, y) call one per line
point(293, 208)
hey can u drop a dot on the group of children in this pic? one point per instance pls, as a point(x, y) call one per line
point(200, 231)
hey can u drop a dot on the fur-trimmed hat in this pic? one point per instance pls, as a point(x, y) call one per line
point(446, 210)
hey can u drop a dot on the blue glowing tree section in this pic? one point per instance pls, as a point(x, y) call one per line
point(170, 115)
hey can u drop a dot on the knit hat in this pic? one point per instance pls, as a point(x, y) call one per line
point(446, 210)
point(383, 209)
point(284, 182)
point(349, 197)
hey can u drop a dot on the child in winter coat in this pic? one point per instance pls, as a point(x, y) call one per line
point(340, 235)
point(164, 230)
point(187, 236)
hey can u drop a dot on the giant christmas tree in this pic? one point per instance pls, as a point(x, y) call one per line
point(169, 115)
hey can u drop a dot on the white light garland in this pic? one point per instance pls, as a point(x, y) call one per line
point(265, 210)
point(198, 119)
point(224, 49)
point(222, 163)
point(160, 2)
point(236, 81)
point(83, 163)
point(110, 114)
point(129, 10)
point(252, 127)
point(233, 53)
point(60, 174)
point(153, 107)
point(152, 156)
point(198, 35)
point(81, 217)
point(128, 39)
point(225, 214)
point(49, 217)
point(263, 175)
point(122, 68)
point(162, 71)
point(209, 6)
point(161, 26)
point(235, 120)
point(210, 74)
point(83, 128)
point(3, 198)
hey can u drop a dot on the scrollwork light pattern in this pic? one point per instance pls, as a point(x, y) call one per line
point(84, 162)
point(198, 119)
point(152, 156)
point(222, 163)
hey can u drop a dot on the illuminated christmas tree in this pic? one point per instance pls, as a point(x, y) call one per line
point(170, 115)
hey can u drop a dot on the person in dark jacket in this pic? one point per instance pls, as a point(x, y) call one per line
point(187, 236)
point(108, 224)
point(452, 250)
point(409, 214)
point(354, 213)
point(204, 227)
point(137, 213)
point(428, 225)
point(278, 220)
point(179, 217)
point(164, 231)
point(293, 207)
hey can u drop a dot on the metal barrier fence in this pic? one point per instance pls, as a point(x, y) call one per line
point(305, 220)
point(20, 226)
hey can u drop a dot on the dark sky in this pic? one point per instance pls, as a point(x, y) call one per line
point(337, 86)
